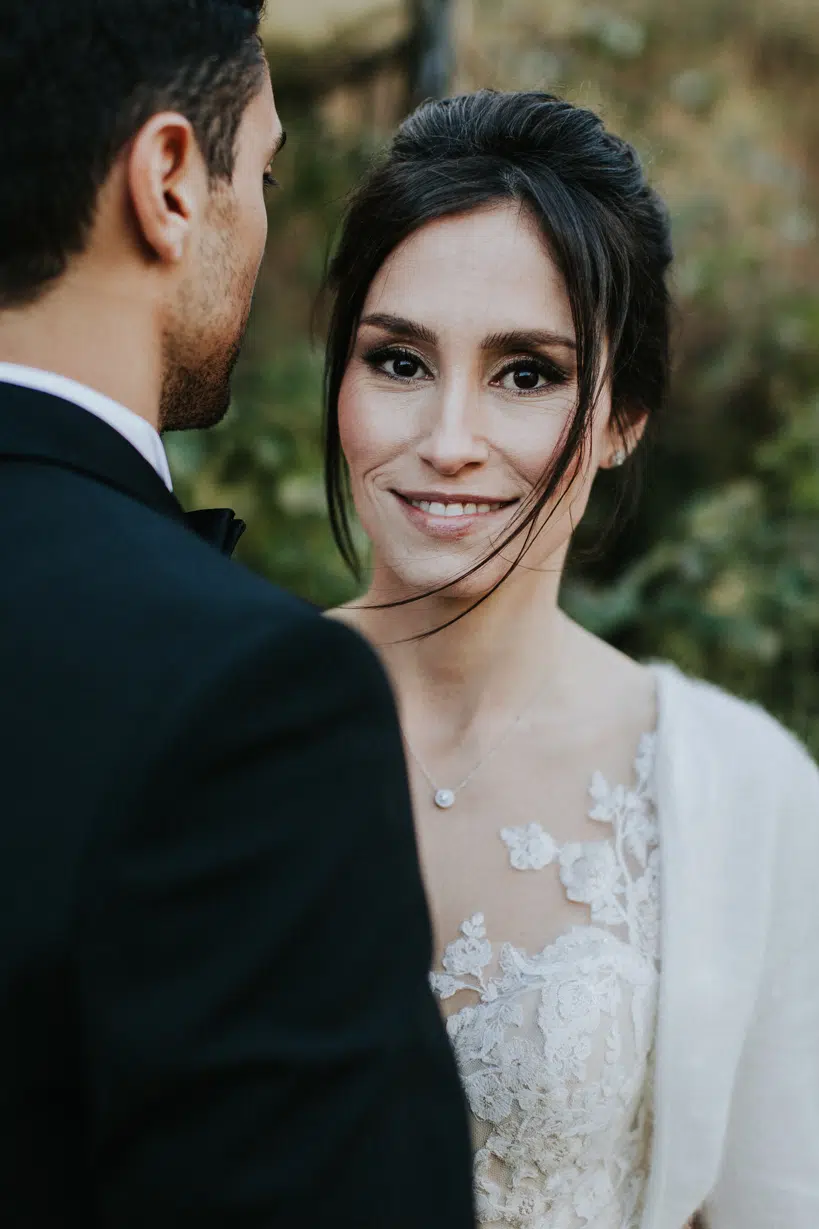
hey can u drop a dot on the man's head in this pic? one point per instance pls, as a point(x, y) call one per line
point(136, 138)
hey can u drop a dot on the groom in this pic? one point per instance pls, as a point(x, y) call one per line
point(214, 1010)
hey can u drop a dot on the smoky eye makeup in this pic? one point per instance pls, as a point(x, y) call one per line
point(527, 373)
point(395, 361)
point(528, 370)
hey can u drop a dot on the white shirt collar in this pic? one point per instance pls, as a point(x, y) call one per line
point(136, 430)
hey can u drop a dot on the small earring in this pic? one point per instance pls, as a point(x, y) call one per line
point(618, 458)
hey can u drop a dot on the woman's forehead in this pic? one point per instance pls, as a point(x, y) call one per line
point(487, 271)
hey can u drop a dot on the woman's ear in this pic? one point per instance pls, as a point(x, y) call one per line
point(625, 431)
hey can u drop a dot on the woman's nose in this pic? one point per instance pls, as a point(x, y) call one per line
point(453, 440)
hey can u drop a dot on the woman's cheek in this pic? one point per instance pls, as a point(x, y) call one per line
point(354, 422)
point(376, 428)
point(362, 443)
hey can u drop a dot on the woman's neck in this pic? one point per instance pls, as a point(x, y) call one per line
point(467, 678)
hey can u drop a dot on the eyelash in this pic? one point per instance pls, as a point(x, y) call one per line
point(554, 375)
point(269, 181)
point(377, 358)
point(548, 369)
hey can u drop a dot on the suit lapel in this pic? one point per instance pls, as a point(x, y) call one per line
point(39, 427)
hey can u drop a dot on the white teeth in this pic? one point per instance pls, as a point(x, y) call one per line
point(435, 508)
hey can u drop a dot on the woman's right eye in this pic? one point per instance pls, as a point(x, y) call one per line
point(397, 364)
point(403, 368)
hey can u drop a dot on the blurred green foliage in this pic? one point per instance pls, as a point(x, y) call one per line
point(720, 569)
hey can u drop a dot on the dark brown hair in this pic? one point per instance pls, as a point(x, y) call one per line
point(78, 79)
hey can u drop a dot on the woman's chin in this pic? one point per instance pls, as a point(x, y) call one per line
point(398, 579)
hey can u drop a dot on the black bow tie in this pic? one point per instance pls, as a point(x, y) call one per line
point(219, 526)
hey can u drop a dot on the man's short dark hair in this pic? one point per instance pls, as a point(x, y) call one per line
point(78, 79)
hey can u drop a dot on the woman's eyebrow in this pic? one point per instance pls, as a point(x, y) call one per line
point(514, 339)
point(526, 339)
point(410, 330)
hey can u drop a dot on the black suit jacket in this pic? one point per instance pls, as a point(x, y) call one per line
point(214, 944)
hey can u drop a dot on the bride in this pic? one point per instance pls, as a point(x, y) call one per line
point(621, 862)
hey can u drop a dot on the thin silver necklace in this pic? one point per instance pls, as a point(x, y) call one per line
point(445, 799)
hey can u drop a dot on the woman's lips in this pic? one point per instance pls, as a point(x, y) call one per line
point(446, 517)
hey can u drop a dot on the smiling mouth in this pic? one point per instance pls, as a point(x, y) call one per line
point(448, 506)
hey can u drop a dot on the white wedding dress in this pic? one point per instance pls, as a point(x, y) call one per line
point(555, 1043)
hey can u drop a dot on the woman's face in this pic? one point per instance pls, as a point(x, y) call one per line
point(459, 391)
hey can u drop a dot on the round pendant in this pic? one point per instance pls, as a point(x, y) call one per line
point(444, 798)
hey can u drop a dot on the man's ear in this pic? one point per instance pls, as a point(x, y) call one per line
point(168, 185)
point(625, 431)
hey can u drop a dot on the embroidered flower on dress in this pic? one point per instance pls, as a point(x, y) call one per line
point(608, 802)
point(470, 954)
point(644, 765)
point(592, 875)
point(594, 1195)
point(489, 1095)
point(529, 1208)
point(445, 986)
point(646, 902)
point(466, 957)
point(530, 848)
point(550, 1147)
point(640, 831)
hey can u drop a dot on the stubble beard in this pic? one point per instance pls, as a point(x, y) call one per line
point(199, 356)
point(196, 393)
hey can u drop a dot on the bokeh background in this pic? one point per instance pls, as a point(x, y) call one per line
point(719, 571)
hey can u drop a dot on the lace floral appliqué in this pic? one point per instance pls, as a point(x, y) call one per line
point(530, 848)
point(555, 1052)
